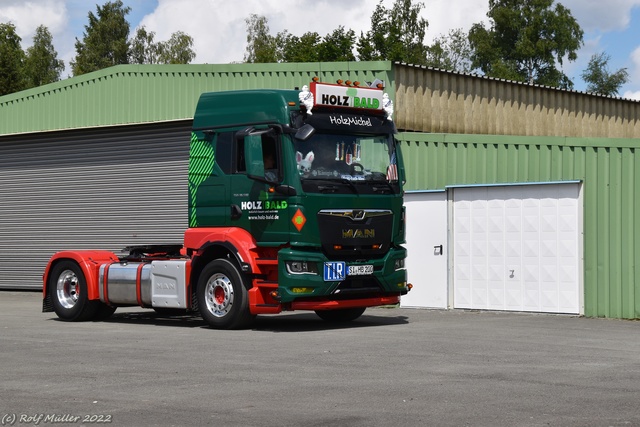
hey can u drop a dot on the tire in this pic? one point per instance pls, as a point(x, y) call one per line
point(341, 315)
point(104, 312)
point(223, 299)
point(68, 290)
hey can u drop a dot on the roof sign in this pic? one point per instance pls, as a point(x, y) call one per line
point(330, 95)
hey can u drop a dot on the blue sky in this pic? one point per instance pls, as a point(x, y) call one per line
point(219, 30)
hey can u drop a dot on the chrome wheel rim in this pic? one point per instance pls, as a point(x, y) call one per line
point(219, 295)
point(68, 289)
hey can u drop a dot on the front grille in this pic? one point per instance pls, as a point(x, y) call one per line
point(355, 233)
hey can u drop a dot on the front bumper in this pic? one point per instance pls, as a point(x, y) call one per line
point(382, 287)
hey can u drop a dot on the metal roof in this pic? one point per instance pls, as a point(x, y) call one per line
point(128, 94)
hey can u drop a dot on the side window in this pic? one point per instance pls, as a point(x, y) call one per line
point(224, 150)
point(240, 163)
point(268, 147)
point(269, 152)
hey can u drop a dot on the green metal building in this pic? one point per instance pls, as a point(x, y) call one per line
point(538, 217)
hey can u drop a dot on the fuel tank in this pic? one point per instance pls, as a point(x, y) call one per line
point(125, 283)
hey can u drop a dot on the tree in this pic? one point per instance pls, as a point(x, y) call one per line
point(142, 48)
point(396, 34)
point(105, 42)
point(337, 46)
point(290, 48)
point(600, 80)
point(451, 52)
point(11, 60)
point(526, 40)
point(310, 47)
point(177, 50)
point(42, 65)
point(261, 46)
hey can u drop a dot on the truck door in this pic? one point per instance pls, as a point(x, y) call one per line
point(255, 206)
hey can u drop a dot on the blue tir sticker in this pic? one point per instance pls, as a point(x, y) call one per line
point(335, 271)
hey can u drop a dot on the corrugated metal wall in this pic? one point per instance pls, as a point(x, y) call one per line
point(609, 169)
point(102, 188)
point(431, 100)
point(149, 93)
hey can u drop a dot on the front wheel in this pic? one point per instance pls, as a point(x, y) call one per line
point(222, 296)
point(341, 315)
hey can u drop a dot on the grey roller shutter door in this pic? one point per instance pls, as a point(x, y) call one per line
point(100, 188)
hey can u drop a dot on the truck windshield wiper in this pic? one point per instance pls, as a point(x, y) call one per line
point(379, 185)
point(386, 187)
point(350, 184)
point(329, 185)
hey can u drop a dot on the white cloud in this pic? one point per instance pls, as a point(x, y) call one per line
point(634, 72)
point(219, 28)
point(632, 95)
point(601, 16)
point(445, 15)
point(28, 15)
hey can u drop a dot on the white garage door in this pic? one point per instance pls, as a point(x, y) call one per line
point(518, 248)
point(427, 249)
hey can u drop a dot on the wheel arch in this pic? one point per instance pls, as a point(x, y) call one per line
point(209, 243)
point(89, 263)
point(211, 251)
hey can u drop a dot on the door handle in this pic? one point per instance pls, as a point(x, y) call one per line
point(437, 250)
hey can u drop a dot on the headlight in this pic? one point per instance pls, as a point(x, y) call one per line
point(301, 267)
point(399, 264)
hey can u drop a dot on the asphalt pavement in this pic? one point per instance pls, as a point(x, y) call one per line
point(392, 367)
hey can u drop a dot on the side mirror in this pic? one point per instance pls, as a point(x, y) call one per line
point(305, 132)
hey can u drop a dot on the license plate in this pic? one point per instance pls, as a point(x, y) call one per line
point(360, 270)
point(335, 271)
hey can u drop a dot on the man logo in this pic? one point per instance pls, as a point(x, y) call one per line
point(366, 233)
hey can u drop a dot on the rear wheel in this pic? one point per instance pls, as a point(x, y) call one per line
point(341, 315)
point(223, 299)
point(104, 312)
point(68, 290)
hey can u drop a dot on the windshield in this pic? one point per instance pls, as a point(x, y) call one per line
point(342, 157)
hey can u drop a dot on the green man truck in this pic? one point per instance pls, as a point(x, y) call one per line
point(295, 203)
